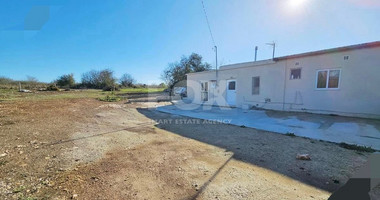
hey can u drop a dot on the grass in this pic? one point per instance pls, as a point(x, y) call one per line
point(15, 95)
point(110, 98)
point(140, 90)
point(18, 189)
point(22, 197)
point(357, 147)
point(290, 134)
point(3, 162)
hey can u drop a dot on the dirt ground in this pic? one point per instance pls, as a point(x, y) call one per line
point(87, 149)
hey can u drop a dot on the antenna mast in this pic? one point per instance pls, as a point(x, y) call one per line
point(273, 44)
point(256, 48)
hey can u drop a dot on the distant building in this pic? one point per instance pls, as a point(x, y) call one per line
point(343, 81)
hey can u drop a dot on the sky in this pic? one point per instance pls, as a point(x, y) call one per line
point(46, 39)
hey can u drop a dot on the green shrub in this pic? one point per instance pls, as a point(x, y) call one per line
point(66, 81)
point(109, 98)
point(111, 88)
point(52, 88)
point(357, 147)
point(290, 134)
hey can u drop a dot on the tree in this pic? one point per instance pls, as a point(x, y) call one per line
point(4, 80)
point(99, 79)
point(127, 80)
point(31, 82)
point(66, 80)
point(177, 71)
point(162, 85)
point(89, 79)
point(31, 79)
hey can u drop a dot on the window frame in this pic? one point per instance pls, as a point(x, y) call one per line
point(327, 79)
point(253, 78)
point(290, 73)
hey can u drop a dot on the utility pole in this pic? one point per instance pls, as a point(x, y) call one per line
point(216, 57)
point(273, 44)
point(256, 48)
point(216, 64)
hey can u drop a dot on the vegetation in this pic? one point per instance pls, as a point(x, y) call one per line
point(3, 162)
point(14, 95)
point(175, 74)
point(30, 83)
point(290, 134)
point(18, 189)
point(52, 88)
point(357, 147)
point(141, 90)
point(110, 98)
point(99, 80)
point(66, 81)
point(127, 80)
point(94, 80)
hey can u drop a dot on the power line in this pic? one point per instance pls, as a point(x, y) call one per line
point(208, 23)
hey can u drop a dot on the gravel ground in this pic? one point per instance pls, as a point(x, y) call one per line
point(86, 149)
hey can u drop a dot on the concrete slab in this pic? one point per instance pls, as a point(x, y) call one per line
point(364, 132)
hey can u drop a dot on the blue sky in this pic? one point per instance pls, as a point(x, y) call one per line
point(141, 37)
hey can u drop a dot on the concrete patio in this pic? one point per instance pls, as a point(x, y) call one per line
point(364, 132)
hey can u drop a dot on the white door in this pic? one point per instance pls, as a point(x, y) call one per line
point(231, 92)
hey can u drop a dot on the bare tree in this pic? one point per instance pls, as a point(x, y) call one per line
point(31, 82)
point(127, 80)
point(99, 79)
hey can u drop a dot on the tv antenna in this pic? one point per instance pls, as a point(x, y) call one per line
point(273, 44)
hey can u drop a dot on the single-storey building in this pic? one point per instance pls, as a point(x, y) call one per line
point(343, 81)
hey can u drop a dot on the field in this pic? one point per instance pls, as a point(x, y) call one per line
point(140, 90)
point(13, 94)
point(69, 145)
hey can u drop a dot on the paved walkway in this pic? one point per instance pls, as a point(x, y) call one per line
point(365, 132)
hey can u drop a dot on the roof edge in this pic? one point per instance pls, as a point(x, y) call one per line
point(311, 53)
point(332, 50)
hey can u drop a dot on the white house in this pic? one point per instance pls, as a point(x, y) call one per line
point(343, 81)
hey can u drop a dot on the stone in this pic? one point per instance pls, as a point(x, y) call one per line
point(303, 157)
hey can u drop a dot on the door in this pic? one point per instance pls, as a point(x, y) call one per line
point(231, 92)
point(204, 91)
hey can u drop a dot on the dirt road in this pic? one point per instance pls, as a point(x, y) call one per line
point(86, 149)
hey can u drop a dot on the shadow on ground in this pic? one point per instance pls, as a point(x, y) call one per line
point(330, 166)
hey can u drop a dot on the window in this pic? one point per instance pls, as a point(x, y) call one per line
point(295, 73)
point(231, 85)
point(328, 79)
point(256, 85)
point(334, 78)
point(322, 79)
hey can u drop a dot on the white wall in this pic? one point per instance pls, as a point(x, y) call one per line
point(359, 90)
point(358, 93)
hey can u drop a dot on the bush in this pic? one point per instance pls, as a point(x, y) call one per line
point(290, 134)
point(109, 98)
point(66, 81)
point(52, 88)
point(111, 88)
point(99, 79)
point(357, 147)
point(127, 80)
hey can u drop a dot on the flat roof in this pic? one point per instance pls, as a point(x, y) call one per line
point(333, 50)
point(311, 53)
